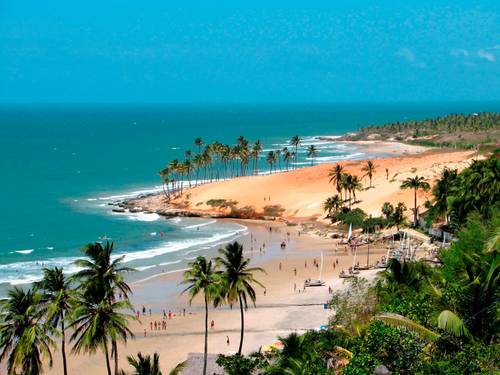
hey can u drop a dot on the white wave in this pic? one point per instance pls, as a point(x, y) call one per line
point(141, 216)
point(171, 247)
point(50, 247)
point(169, 263)
point(28, 251)
point(91, 199)
point(175, 220)
point(152, 234)
point(200, 225)
point(143, 268)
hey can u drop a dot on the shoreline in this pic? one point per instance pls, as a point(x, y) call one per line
point(279, 311)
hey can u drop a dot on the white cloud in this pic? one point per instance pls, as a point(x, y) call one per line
point(410, 56)
point(482, 54)
point(459, 52)
point(406, 54)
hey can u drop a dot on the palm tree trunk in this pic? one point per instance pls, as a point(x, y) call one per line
point(63, 348)
point(415, 211)
point(242, 325)
point(205, 349)
point(108, 366)
point(115, 352)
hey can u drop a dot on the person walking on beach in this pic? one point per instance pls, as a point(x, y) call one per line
point(212, 324)
point(295, 271)
point(227, 340)
point(294, 287)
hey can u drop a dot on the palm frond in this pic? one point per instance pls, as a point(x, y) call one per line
point(402, 322)
point(451, 323)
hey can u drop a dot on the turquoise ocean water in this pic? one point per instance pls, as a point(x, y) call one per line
point(61, 164)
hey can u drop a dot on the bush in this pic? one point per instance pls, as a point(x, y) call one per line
point(355, 217)
point(240, 365)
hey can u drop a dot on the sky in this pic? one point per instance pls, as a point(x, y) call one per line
point(251, 51)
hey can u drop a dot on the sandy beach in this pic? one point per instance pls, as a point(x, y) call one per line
point(283, 307)
point(301, 193)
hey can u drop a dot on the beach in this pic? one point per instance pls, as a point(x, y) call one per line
point(283, 306)
point(280, 309)
point(300, 193)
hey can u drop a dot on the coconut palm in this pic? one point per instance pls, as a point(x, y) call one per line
point(287, 156)
point(295, 141)
point(312, 152)
point(416, 183)
point(356, 185)
point(257, 149)
point(369, 169)
point(271, 159)
point(387, 210)
point(442, 191)
point(144, 364)
point(398, 217)
point(102, 280)
point(335, 175)
point(57, 297)
point(25, 339)
point(238, 280)
point(97, 324)
point(333, 204)
point(198, 142)
point(202, 277)
point(447, 321)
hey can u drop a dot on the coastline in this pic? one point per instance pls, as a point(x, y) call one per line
point(277, 313)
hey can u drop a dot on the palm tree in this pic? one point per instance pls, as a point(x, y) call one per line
point(332, 204)
point(144, 365)
point(98, 323)
point(312, 152)
point(416, 183)
point(295, 141)
point(287, 156)
point(238, 279)
point(398, 216)
point(198, 142)
point(369, 169)
point(447, 320)
point(387, 210)
point(356, 185)
point(58, 297)
point(257, 149)
point(442, 191)
point(271, 159)
point(202, 277)
point(102, 279)
point(25, 340)
point(335, 175)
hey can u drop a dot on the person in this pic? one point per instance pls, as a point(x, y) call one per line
point(145, 333)
point(184, 312)
point(295, 271)
point(265, 291)
point(305, 264)
point(164, 314)
point(280, 266)
point(156, 325)
point(149, 312)
point(294, 287)
point(227, 340)
point(151, 325)
point(212, 324)
point(143, 310)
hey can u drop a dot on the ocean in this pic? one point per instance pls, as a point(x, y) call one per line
point(62, 164)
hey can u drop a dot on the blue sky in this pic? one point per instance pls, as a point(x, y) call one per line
point(258, 51)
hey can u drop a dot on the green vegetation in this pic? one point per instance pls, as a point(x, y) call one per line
point(201, 277)
point(416, 319)
point(93, 304)
point(415, 183)
point(476, 188)
point(456, 130)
